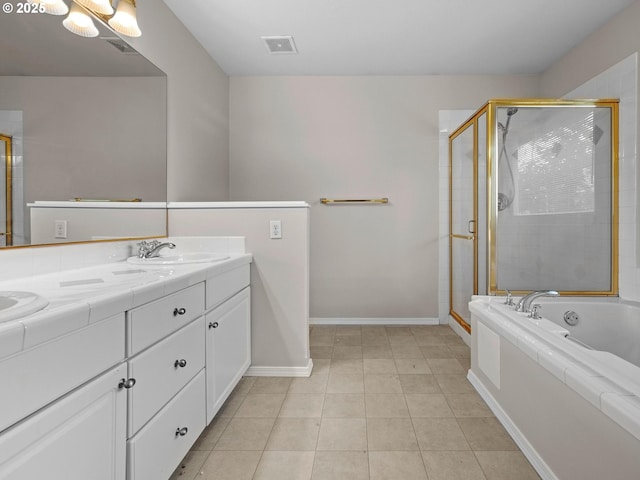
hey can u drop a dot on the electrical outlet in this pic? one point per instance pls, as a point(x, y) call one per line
point(60, 229)
point(275, 229)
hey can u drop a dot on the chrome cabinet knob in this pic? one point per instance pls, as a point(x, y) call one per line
point(213, 324)
point(181, 432)
point(179, 311)
point(127, 383)
point(180, 363)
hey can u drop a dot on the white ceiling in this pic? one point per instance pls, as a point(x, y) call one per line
point(393, 37)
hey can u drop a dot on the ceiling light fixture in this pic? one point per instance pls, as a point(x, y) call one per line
point(124, 21)
point(99, 6)
point(52, 7)
point(80, 23)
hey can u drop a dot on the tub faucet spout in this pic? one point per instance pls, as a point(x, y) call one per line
point(524, 305)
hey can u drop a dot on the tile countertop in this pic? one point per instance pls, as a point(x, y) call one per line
point(83, 296)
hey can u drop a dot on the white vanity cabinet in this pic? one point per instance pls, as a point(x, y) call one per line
point(228, 348)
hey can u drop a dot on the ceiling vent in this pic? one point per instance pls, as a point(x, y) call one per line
point(280, 45)
point(120, 44)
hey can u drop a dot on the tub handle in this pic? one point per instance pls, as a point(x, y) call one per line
point(472, 231)
point(535, 311)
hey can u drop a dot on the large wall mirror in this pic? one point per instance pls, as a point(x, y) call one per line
point(85, 119)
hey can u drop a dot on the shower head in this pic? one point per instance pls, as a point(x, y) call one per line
point(512, 111)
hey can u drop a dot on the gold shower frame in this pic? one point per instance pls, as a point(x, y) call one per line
point(8, 172)
point(490, 108)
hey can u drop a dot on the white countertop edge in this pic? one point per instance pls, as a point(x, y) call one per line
point(71, 204)
point(251, 204)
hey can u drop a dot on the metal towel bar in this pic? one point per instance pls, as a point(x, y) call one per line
point(331, 201)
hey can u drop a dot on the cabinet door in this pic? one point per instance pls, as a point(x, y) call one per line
point(80, 436)
point(228, 348)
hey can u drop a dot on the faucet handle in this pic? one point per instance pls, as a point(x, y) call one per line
point(509, 299)
point(535, 311)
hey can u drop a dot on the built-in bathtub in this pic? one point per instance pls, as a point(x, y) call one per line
point(573, 408)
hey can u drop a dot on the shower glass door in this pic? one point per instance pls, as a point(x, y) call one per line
point(463, 221)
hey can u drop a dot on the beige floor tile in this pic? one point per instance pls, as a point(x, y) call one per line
point(246, 434)
point(468, 405)
point(419, 384)
point(312, 384)
point(270, 385)
point(396, 466)
point(465, 362)
point(345, 383)
point(409, 366)
point(446, 366)
point(211, 434)
point(454, 384)
point(190, 467)
point(230, 466)
point(386, 405)
point(285, 466)
point(244, 385)
point(506, 466)
point(428, 405)
point(454, 340)
point(406, 351)
point(452, 466)
point(341, 466)
point(486, 434)
point(437, 351)
point(348, 330)
point(347, 352)
point(231, 405)
point(374, 339)
point(294, 434)
point(321, 340)
point(321, 352)
point(343, 434)
point(379, 365)
point(260, 405)
point(302, 405)
point(439, 434)
point(323, 329)
point(348, 341)
point(391, 434)
point(382, 383)
point(321, 366)
point(460, 351)
point(393, 331)
point(347, 365)
point(430, 340)
point(377, 351)
point(402, 340)
point(343, 405)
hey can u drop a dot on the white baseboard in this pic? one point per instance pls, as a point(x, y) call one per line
point(462, 333)
point(305, 371)
point(527, 449)
point(373, 321)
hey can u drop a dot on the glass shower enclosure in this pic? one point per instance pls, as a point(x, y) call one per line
point(533, 200)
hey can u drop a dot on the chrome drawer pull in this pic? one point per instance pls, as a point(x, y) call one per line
point(181, 431)
point(180, 363)
point(127, 383)
point(213, 324)
point(179, 311)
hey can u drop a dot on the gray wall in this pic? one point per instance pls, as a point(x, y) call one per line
point(197, 103)
point(303, 138)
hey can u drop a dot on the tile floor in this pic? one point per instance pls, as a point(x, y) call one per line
point(383, 403)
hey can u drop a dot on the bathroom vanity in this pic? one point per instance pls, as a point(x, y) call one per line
point(117, 377)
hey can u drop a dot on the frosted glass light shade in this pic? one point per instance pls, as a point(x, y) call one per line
point(80, 23)
point(124, 21)
point(99, 6)
point(52, 7)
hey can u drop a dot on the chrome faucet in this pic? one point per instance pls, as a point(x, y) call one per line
point(152, 249)
point(524, 305)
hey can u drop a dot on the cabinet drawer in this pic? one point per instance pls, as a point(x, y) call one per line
point(35, 377)
point(162, 370)
point(152, 322)
point(158, 448)
point(226, 285)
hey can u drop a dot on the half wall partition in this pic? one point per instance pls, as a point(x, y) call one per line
point(533, 200)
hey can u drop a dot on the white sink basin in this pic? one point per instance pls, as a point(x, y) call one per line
point(14, 304)
point(181, 259)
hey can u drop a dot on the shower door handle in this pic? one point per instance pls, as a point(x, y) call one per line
point(472, 231)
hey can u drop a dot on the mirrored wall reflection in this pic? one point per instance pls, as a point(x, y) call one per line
point(554, 225)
